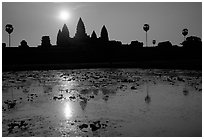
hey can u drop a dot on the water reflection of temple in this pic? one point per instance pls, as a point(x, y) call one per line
point(147, 98)
point(83, 103)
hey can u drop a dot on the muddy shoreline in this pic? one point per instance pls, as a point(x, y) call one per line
point(171, 64)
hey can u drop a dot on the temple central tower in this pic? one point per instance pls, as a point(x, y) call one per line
point(80, 30)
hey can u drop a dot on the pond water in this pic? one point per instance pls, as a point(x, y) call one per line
point(102, 102)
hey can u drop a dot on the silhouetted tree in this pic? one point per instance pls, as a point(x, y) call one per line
point(114, 43)
point(104, 34)
point(185, 32)
point(175, 46)
point(166, 44)
point(153, 42)
point(136, 44)
point(192, 42)
point(45, 42)
point(23, 44)
point(3, 45)
point(9, 28)
point(146, 28)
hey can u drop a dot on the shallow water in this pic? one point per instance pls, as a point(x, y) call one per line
point(102, 102)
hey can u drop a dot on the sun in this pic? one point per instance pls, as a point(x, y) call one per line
point(64, 15)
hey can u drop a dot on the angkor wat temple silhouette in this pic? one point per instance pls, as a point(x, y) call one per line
point(81, 37)
point(84, 51)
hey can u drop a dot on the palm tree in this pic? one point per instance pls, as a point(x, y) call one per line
point(185, 32)
point(154, 42)
point(9, 29)
point(146, 28)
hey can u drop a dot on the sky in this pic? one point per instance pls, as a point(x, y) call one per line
point(123, 20)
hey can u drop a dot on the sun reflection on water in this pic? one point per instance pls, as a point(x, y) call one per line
point(67, 82)
point(68, 110)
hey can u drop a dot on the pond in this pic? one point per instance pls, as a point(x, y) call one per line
point(102, 103)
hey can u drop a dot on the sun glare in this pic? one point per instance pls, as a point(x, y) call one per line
point(64, 15)
point(68, 110)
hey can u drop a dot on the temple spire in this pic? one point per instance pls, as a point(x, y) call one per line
point(65, 31)
point(93, 35)
point(59, 34)
point(104, 34)
point(80, 30)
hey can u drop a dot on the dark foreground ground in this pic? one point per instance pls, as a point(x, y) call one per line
point(190, 65)
point(107, 57)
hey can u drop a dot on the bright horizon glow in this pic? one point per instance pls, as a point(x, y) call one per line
point(64, 15)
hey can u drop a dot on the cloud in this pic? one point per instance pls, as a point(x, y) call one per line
point(80, 6)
